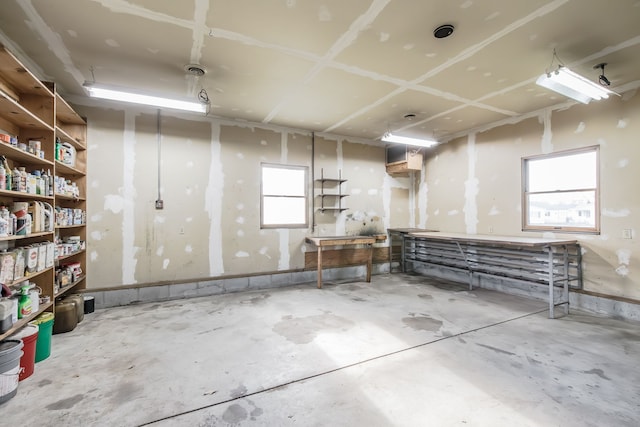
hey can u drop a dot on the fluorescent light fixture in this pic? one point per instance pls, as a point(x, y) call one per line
point(572, 85)
point(126, 95)
point(389, 137)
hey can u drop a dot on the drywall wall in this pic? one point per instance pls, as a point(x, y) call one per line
point(473, 184)
point(210, 185)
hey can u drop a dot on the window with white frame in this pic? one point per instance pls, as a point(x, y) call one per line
point(561, 191)
point(283, 196)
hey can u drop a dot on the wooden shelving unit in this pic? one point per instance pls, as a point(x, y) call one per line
point(33, 110)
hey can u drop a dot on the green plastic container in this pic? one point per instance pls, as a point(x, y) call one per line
point(43, 345)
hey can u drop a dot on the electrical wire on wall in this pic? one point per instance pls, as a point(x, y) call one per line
point(159, 201)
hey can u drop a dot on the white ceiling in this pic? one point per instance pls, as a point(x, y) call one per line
point(353, 68)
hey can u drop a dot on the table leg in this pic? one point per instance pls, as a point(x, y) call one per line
point(369, 263)
point(551, 299)
point(319, 267)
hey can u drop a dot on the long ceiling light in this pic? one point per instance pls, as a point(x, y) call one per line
point(113, 93)
point(389, 137)
point(572, 85)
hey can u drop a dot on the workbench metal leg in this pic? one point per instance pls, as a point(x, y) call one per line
point(402, 269)
point(566, 279)
point(551, 300)
point(319, 267)
point(369, 263)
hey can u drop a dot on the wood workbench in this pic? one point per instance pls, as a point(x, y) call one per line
point(328, 241)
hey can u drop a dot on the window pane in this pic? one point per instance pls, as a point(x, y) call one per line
point(283, 182)
point(569, 172)
point(571, 209)
point(284, 210)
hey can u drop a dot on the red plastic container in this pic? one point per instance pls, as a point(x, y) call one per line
point(29, 336)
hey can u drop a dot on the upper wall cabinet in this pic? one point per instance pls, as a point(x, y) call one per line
point(402, 159)
point(42, 189)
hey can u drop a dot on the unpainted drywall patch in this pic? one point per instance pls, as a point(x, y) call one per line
point(383, 37)
point(423, 201)
point(96, 235)
point(242, 254)
point(622, 123)
point(471, 188)
point(612, 213)
point(581, 127)
point(356, 191)
point(372, 192)
point(188, 249)
point(546, 144)
point(453, 212)
point(160, 250)
point(240, 220)
point(624, 258)
point(96, 218)
point(623, 163)
point(494, 211)
point(436, 212)
point(265, 252)
point(165, 263)
point(93, 256)
point(159, 219)
point(324, 15)
point(284, 259)
point(129, 249)
point(240, 233)
point(95, 183)
point(113, 203)
point(214, 203)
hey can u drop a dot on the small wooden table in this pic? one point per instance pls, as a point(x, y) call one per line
point(323, 242)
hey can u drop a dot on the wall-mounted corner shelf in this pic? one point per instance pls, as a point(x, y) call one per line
point(335, 186)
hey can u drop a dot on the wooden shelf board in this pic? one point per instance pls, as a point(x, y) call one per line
point(23, 322)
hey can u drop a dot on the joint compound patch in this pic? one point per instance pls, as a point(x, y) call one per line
point(624, 258)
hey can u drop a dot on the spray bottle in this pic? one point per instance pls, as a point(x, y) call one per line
point(24, 305)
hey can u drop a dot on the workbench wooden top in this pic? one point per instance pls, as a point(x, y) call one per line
point(410, 230)
point(494, 239)
point(345, 240)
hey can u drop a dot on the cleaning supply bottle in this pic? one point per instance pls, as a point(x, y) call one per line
point(3, 177)
point(24, 305)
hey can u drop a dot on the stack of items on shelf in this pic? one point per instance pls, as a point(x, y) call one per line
point(64, 187)
point(24, 261)
point(33, 147)
point(26, 218)
point(69, 216)
point(19, 179)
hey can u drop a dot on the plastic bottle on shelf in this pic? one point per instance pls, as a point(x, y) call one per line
point(58, 148)
point(7, 169)
point(3, 177)
point(24, 305)
point(50, 185)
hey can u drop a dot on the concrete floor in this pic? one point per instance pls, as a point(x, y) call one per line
point(403, 351)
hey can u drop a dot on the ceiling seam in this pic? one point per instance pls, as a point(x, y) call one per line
point(462, 55)
point(344, 41)
point(53, 40)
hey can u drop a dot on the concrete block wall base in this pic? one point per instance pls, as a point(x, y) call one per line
point(166, 292)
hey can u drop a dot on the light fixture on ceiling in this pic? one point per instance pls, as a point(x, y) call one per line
point(418, 142)
point(115, 93)
point(604, 81)
point(565, 82)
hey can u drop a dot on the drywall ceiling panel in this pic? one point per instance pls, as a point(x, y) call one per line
point(459, 120)
point(400, 42)
point(307, 26)
point(332, 95)
point(389, 115)
point(164, 9)
point(245, 81)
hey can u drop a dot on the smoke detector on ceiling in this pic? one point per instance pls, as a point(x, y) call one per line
point(195, 70)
